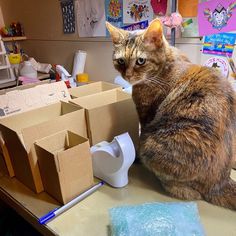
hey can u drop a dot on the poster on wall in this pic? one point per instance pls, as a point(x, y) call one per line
point(216, 16)
point(190, 27)
point(90, 16)
point(137, 10)
point(114, 13)
point(136, 26)
point(68, 16)
point(219, 44)
point(220, 64)
point(187, 11)
point(159, 7)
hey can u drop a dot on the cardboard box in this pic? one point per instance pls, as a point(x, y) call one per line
point(22, 130)
point(109, 114)
point(14, 101)
point(65, 165)
point(92, 88)
point(6, 157)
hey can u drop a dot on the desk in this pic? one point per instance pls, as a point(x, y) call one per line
point(90, 217)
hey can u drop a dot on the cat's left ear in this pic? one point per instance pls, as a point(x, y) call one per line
point(117, 35)
point(153, 35)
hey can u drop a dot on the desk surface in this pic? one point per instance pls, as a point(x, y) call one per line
point(90, 217)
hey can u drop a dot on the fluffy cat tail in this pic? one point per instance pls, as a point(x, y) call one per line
point(226, 196)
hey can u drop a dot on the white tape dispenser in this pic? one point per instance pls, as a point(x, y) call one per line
point(111, 161)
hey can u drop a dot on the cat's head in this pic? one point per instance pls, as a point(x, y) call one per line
point(140, 54)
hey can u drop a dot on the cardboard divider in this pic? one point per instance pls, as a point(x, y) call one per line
point(22, 130)
point(6, 157)
point(109, 114)
point(93, 88)
point(65, 165)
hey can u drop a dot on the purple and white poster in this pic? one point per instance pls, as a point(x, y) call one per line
point(216, 16)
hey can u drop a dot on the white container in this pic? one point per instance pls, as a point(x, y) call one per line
point(28, 70)
point(79, 63)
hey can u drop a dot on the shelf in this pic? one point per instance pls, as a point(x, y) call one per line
point(9, 39)
point(7, 83)
point(5, 67)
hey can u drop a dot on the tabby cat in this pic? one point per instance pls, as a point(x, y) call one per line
point(187, 114)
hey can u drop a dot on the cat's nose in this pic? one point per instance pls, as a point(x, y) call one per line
point(128, 75)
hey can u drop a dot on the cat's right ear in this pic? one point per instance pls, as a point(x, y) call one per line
point(153, 35)
point(117, 35)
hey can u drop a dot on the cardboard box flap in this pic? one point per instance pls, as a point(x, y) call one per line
point(33, 117)
point(49, 167)
point(92, 88)
point(113, 123)
point(101, 99)
point(10, 137)
point(36, 116)
point(41, 130)
point(67, 108)
point(60, 141)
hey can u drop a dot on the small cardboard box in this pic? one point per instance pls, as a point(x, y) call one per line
point(92, 88)
point(109, 114)
point(65, 165)
point(20, 131)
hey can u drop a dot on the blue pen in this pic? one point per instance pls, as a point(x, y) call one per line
point(52, 214)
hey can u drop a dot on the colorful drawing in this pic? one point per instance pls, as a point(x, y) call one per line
point(220, 64)
point(90, 18)
point(114, 12)
point(217, 16)
point(219, 44)
point(159, 7)
point(190, 27)
point(137, 10)
point(137, 26)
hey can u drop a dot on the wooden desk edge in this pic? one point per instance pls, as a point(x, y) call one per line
point(26, 214)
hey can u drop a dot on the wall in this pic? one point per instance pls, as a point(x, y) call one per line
point(46, 42)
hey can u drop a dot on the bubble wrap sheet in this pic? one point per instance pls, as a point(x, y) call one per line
point(156, 219)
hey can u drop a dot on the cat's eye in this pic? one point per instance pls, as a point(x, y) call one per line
point(121, 61)
point(140, 61)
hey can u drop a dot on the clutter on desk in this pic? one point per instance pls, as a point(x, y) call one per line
point(179, 219)
point(34, 120)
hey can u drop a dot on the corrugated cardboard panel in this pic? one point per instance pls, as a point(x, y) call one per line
point(112, 120)
point(108, 114)
point(20, 159)
point(92, 88)
point(101, 99)
point(76, 174)
point(6, 157)
point(48, 169)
